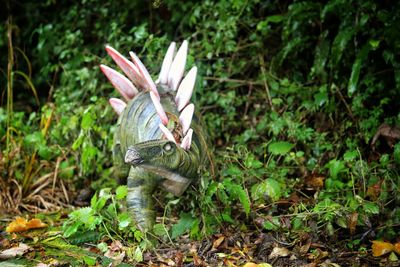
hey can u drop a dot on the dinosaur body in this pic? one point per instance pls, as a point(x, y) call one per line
point(158, 142)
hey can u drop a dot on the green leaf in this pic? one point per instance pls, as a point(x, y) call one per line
point(371, 208)
point(280, 148)
point(243, 198)
point(335, 167)
point(84, 236)
point(396, 153)
point(271, 223)
point(350, 155)
point(89, 260)
point(339, 45)
point(34, 140)
point(93, 201)
point(355, 70)
point(78, 142)
point(184, 224)
point(252, 163)
point(47, 153)
point(103, 247)
point(236, 191)
point(268, 189)
point(226, 217)
point(138, 255)
point(121, 192)
point(124, 220)
point(160, 230)
point(88, 119)
point(71, 229)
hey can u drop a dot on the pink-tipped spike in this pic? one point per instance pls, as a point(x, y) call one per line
point(143, 71)
point(166, 65)
point(185, 90)
point(131, 71)
point(167, 133)
point(178, 66)
point(159, 109)
point(186, 117)
point(118, 105)
point(187, 140)
point(124, 86)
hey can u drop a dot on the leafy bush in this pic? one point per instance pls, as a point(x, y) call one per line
point(292, 93)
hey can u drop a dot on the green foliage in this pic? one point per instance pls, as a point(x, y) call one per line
point(290, 91)
point(104, 216)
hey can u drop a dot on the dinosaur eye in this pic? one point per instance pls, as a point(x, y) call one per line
point(167, 147)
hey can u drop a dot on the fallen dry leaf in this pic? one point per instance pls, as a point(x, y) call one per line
point(317, 254)
point(250, 264)
point(278, 252)
point(115, 252)
point(352, 222)
point(397, 248)
point(315, 181)
point(15, 251)
point(380, 248)
point(218, 242)
point(375, 190)
point(21, 224)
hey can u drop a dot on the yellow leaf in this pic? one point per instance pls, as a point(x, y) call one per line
point(397, 248)
point(21, 224)
point(380, 248)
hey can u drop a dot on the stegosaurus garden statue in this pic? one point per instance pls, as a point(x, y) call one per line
point(158, 140)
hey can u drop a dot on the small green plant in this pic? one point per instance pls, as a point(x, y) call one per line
point(104, 215)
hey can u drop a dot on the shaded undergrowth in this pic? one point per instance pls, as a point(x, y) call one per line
point(300, 98)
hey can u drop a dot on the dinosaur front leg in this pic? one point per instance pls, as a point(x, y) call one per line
point(141, 185)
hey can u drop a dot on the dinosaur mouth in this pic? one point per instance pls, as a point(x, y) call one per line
point(132, 156)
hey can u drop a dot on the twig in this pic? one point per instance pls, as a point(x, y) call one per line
point(55, 175)
point(345, 103)
point(262, 66)
point(9, 88)
point(231, 80)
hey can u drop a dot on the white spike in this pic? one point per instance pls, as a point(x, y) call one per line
point(118, 105)
point(159, 108)
point(178, 66)
point(185, 90)
point(167, 133)
point(187, 140)
point(130, 70)
point(143, 71)
point(186, 117)
point(166, 65)
point(124, 86)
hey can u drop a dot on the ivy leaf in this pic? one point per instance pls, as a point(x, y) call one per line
point(280, 148)
point(371, 208)
point(335, 167)
point(138, 255)
point(184, 224)
point(160, 230)
point(121, 192)
point(124, 220)
point(269, 188)
point(350, 155)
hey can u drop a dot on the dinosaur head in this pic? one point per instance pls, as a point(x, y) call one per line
point(163, 157)
point(161, 153)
